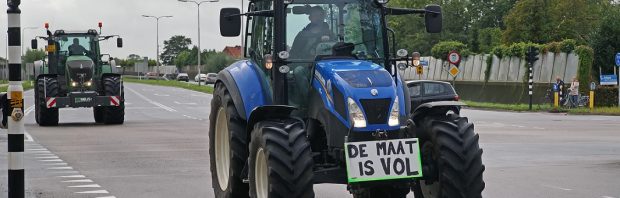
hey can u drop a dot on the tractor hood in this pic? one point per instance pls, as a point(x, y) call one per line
point(367, 83)
point(80, 68)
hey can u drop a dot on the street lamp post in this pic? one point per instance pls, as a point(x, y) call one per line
point(157, 55)
point(198, 3)
point(22, 43)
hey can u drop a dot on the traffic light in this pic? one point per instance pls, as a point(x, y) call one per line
point(532, 55)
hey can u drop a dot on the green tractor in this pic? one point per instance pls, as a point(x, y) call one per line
point(77, 75)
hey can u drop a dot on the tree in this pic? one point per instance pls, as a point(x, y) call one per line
point(173, 47)
point(217, 62)
point(528, 21)
point(33, 55)
point(606, 39)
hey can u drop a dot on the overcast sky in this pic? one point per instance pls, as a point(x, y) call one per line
point(123, 17)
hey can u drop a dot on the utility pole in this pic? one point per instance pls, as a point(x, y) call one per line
point(15, 91)
point(157, 55)
point(198, 3)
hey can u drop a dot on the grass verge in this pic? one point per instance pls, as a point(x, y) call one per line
point(25, 84)
point(615, 111)
point(172, 83)
point(507, 107)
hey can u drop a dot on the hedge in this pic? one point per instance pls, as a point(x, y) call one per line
point(605, 96)
point(442, 49)
point(514, 50)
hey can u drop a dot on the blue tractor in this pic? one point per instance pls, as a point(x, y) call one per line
point(318, 99)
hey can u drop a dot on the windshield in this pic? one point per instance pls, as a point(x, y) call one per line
point(76, 45)
point(313, 29)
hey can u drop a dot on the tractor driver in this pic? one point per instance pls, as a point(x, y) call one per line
point(317, 31)
point(76, 48)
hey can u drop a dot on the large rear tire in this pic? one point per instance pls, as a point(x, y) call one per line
point(454, 158)
point(112, 86)
point(281, 163)
point(98, 114)
point(228, 146)
point(46, 86)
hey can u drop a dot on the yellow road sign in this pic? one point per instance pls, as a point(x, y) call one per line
point(419, 70)
point(454, 71)
point(17, 99)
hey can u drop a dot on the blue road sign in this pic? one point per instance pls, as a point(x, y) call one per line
point(618, 59)
point(424, 62)
point(609, 79)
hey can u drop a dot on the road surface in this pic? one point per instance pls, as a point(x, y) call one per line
point(162, 151)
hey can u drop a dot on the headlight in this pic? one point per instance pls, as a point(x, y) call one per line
point(393, 121)
point(356, 116)
point(74, 84)
point(88, 83)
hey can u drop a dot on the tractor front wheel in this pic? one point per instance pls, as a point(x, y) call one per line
point(228, 146)
point(453, 159)
point(112, 86)
point(281, 163)
point(47, 87)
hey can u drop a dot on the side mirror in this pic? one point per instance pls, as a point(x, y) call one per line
point(34, 44)
point(433, 18)
point(230, 22)
point(119, 42)
point(105, 58)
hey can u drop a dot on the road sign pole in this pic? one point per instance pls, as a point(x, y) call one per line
point(618, 65)
point(14, 95)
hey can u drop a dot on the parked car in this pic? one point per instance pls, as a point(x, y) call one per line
point(425, 91)
point(183, 77)
point(211, 78)
point(200, 77)
point(151, 75)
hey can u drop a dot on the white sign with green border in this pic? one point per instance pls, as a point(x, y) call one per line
point(383, 160)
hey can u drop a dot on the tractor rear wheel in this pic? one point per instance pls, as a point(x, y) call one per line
point(98, 114)
point(228, 146)
point(46, 87)
point(112, 86)
point(453, 158)
point(281, 163)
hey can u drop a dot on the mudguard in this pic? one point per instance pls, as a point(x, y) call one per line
point(433, 107)
point(247, 85)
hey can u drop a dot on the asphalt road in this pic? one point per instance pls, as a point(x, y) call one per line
point(162, 151)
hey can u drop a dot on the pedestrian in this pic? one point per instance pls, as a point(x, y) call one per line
point(574, 92)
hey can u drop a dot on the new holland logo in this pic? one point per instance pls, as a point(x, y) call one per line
point(374, 92)
point(83, 100)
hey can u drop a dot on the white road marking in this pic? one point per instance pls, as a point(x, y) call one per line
point(66, 172)
point(73, 176)
point(165, 95)
point(48, 157)
point(184, 103)
point(107, 197)
point(28, 110)
point(28, 136)
point(94, 192)
point(61, 168)
point(56, 164)
point(607, 197)
point(78, 181)
point(151, 101)
point(86, 186)
point(41, 149)
point(557, 187)
point(36, 152)
point(51, 160)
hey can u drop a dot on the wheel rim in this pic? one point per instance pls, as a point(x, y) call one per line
point(430, 188)
point(222, 149)
point(261, 174)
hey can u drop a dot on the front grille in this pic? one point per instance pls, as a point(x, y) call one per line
point(339, 102)
point(376, 110)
